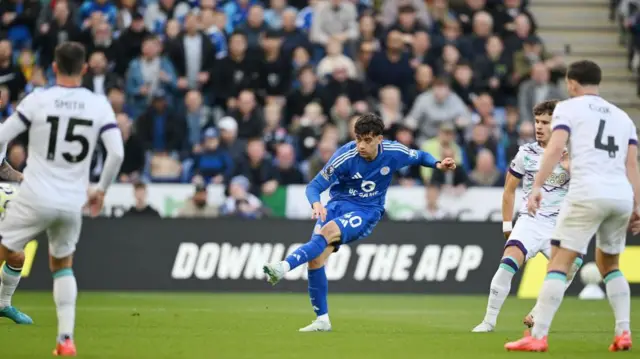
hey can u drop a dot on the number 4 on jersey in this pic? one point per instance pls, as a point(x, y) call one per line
point(610, 147)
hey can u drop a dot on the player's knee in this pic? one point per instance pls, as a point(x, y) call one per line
point(15, 259)
point(331, 232)
point(515, 253)
point(55, 264)
point(316, 263)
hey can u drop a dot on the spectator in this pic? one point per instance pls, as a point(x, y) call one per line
point(441, 13)
point(532, 53)
point(481, 139)
point(445, 65)
point(255, 27)
point(10, 74)
point(466, 13)
point(335, 59)
point(486, 114)
point(434, 107)
point(292, 36)
point(390, 67)
point(171, 31)
point(98, 79)
point(438, 145)
point(482, 29)
point(236, 13)
point(391, 9)
point(493, 71)
point(486, 174)
point(197, 116)
point(147, 75)
point(301, 58)
point(407, 176)
point(307, 92)
point(275, 74)
point(248, 116)
point(390, 110)
point(133, 165)
point(515, 41)
point(127, 10)
point(236, 72)
point(159, 128)
point(37, 81)
point(6, 107)
point(229, 138)
point(56, 30)
point(525, 134)
point(117, 101)
point(320, 158)
point(341, 85)
point(422, 83)
point(288, 171)
point(258, 169)
point(453, 36)
point(100, 38)
point(159, 13)
point(18, 20)
point(197, 206)
point(130, 42)
point(241, 203)
point(340, 115)
point(274, 133)
point(506, 14)
point(368, 32)
point(212, 164)
point(433, 211)
point(214, 33)
point(141, 207)
point(192, 57)
point(536, 90)
point(463, 84)
point(105, 7)
point(453, 182)
point(421, 51)
point(274, 15)
point(334, 19)
point(408, 24)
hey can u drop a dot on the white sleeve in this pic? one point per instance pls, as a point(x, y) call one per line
point(517, 164)
point(633, 137)
point(561, 118)
point(11, 128)
point(112, 140)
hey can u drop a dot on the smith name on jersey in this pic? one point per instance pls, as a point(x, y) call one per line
point(526, 165)
point(353, 179)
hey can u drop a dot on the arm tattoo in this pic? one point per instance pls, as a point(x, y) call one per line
point(7, 172)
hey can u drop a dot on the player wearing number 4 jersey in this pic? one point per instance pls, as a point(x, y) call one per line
point(64, 123)
point(359, 174)
point(605, 189)
point(532, 234)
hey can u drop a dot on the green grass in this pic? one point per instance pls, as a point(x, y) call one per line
point(264, 326)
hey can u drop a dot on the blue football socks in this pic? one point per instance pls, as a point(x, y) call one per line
point(318, 290)
point(307, 251)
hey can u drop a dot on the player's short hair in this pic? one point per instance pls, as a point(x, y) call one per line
point(585, 72)
point(69, 57)
point(139, 185)
point(369, 124)
point(545, 108)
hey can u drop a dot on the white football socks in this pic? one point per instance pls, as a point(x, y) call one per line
point(549, 301)
point(619, 295)
point(65, 292)
point(499, 290)
point(10, 279)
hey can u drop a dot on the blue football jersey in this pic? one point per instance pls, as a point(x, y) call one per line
point(353, 179)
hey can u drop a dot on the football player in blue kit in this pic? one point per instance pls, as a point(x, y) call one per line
point(359, 174)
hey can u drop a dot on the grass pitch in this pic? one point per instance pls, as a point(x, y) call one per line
point(264, 326)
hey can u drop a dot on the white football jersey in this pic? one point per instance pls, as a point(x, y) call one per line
point(525, 165)
point(64, 124)
point(600, 134)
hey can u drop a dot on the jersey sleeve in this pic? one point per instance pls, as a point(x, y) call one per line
point(27, 108)
point(517, 164)
point(108, 120)
point(633, 136)
point(561, 118)
point(405, 156)
point(330, 173)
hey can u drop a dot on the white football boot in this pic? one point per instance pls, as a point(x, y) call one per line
point(274, 271)
point(483, 327)
point(317, 326)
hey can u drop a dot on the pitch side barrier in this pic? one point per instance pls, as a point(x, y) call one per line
point(226, 255)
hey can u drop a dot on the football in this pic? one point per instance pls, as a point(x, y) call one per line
point(590, 274)
point(7, 193)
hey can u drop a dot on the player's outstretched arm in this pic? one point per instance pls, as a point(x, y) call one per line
point(632, 173)
point(112, 140)
point(8, 173)
point(508, 199)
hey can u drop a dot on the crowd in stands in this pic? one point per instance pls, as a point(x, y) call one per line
point(219, 91)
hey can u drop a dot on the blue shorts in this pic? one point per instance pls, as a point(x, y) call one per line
point(355, 222)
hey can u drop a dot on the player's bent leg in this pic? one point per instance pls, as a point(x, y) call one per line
point(318, 292)
point(65, 292)
point(329, 233)
point(513, 258)
point(10, 276)
point(619, 295)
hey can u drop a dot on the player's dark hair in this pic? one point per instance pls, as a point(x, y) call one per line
point(545, 108)
point(585, 73)
point(139, 185)
point(69, 57)
point(369, 124)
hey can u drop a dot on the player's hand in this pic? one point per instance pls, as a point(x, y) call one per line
point(533, 203)
point(634, 223)
point(448, 164)
point(95, 202)
point(183, 83)
point(564, 161)
point(319, 212)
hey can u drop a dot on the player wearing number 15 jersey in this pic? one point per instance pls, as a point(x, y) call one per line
point(359, 174)
point(605, 189)
point(64, 123)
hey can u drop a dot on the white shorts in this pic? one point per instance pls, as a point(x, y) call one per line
point(608, 219)
point(532, 236)
point(22, 222)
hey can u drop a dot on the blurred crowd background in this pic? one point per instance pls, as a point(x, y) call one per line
point(256, 95)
